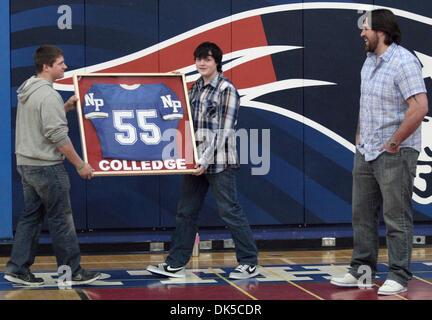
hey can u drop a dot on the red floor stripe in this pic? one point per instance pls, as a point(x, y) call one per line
point(417, 290)
point(168, 293)
point(279, 291)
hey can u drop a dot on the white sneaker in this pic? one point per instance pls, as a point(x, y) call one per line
point(167, 270)
point(391, 287)
point(349, 281)
point(244, 271)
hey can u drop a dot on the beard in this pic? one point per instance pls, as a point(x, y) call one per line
point(372, 44)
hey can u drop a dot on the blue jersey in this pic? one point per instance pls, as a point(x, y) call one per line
point(133, 122)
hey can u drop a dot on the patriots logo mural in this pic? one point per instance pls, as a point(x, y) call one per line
point(297, 67)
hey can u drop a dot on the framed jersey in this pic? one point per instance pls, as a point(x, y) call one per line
point(135, 124)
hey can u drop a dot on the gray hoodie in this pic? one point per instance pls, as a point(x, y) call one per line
point(41, 124)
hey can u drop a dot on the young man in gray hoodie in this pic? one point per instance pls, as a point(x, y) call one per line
point(42, 143)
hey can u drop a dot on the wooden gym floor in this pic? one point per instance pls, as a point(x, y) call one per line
point(285, 275)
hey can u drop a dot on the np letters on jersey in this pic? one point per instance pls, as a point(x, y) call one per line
point(135, 124)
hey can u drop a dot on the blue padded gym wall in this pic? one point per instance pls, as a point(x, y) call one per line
point(300, 80)
point(5, 125)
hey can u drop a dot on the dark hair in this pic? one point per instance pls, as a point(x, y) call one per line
point(384, 20)
point(206, 49)
point(46, 54)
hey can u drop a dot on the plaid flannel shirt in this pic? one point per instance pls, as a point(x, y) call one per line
point(385, 87)
point(215, 109)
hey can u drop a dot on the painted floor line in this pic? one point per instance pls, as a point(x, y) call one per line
point(232, 284)
point(292, 283)
point(421, 279)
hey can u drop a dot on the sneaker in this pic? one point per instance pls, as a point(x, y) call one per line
point(244, 271)
point(166, 270)
point(85, 277)
point(27, 279)
point(349, 281)
point(391, 287)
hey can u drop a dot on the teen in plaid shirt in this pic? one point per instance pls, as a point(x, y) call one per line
point(393, 104)
point(215, 107)
point(215, 103)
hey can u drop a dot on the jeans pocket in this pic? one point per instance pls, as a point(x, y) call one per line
point(33, 170)
point(410, 157)
point(391, 160)
point(34, 174)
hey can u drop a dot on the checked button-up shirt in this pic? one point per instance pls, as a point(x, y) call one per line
point(215, 108)
point(385, 87)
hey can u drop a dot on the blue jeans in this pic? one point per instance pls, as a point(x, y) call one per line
point(193, 192)
point(46, 193)
point(387, 183)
